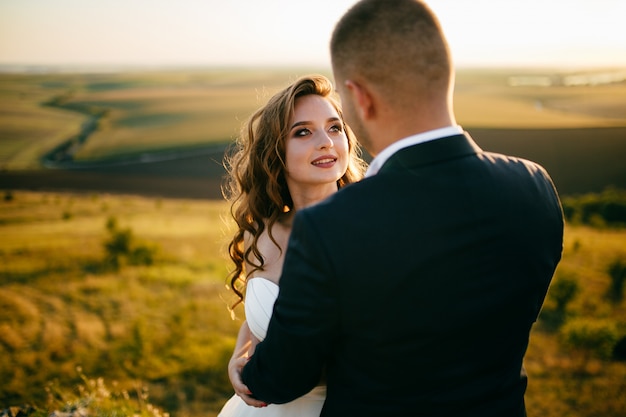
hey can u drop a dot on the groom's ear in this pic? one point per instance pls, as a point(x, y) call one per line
point(362, 98)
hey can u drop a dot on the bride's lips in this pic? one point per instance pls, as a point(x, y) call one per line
point(325, 161)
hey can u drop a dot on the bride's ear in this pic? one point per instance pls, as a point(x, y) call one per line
point(362, 98)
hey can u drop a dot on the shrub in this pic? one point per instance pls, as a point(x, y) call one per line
point(562, 291)
point(617, 272)
point(590, 337)
point(619, 350)
point(605, 209)
point(121, 247)
point(142, 255)
point(117, 246)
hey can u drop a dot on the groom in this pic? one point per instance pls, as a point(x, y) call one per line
point(414, 290)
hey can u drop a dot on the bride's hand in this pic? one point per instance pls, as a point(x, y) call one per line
point(235, 365)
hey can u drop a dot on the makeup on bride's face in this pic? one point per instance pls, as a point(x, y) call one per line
point(317, 145)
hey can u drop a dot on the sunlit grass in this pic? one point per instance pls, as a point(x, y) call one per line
point(587, 255)
point(563, 382)
point(166, 326)
point(63, 307)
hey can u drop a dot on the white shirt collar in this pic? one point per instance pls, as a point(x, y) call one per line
point(386, 153)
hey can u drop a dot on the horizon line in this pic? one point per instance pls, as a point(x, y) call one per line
point(46, 68)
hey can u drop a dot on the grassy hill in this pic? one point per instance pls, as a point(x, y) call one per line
point(137, 112)
point(163, 324)
point(80, 307)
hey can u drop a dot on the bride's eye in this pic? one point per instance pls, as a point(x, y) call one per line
point(302, 132)
point(336, 128)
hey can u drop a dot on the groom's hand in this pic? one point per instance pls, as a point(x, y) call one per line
point(235, 365)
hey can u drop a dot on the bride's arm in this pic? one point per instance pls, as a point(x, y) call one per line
point(246, 342)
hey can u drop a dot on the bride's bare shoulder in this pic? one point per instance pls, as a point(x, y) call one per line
point(271, 248)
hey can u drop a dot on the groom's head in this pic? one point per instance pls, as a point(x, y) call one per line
point(396, 52)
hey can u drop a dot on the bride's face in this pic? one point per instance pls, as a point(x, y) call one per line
point(316, 147)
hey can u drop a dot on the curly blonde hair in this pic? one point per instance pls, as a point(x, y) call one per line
point(256, 185)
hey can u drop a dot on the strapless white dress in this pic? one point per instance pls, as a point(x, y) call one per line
point(260, 297)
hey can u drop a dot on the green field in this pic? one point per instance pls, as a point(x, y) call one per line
point(140, 112)
point(155, 111)
point(164, 325)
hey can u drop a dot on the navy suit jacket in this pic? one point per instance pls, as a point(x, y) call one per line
point(415, 290)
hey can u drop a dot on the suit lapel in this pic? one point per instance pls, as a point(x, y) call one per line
point(432, 152)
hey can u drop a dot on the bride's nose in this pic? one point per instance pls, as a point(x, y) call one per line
point(325, 141)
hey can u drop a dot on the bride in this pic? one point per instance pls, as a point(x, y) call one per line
point(294, 152)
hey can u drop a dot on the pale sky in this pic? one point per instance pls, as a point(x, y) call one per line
point(563, 33)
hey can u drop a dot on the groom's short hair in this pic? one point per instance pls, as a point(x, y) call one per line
point(396, 44)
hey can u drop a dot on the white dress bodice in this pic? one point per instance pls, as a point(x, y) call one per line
point(261, 295)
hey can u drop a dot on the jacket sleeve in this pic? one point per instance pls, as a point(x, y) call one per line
point(289, 362)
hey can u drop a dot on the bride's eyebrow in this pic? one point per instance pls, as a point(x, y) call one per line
point(301, 123)
point(306, 122)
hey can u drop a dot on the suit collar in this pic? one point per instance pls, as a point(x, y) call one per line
point(435, 151)
point(408, 141)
